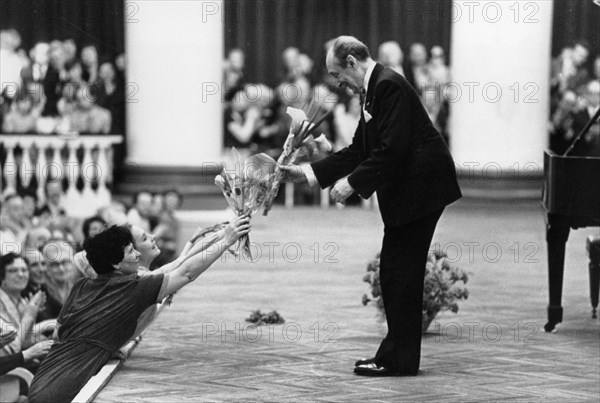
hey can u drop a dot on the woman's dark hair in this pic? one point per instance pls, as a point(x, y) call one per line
point(7, 260)
point(107, 248)
point(88, 223)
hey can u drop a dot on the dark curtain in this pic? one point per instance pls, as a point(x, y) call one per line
point(573, 20)
point(88, 22)
point(264, 28)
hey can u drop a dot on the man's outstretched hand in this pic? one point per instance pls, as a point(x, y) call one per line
point(292, 173)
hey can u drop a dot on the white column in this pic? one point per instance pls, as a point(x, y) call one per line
point(500, 85)
point(174, 55)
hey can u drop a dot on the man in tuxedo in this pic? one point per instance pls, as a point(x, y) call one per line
point(397, 153)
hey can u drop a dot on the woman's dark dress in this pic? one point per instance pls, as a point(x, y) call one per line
point(99, 316)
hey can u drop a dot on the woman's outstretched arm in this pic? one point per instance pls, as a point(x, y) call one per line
point(192, 267)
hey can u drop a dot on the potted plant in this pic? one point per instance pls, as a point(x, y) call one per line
point(444, 286)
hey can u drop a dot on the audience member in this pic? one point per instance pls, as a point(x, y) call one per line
point(438, 72)
point(390, 55)
point(346, 120)
point(233, 73)
point(38, 277)
point(87, 117)
point(90, 228)
point(114, 214)
point(16, 311)
point(167, 230)
point(139, 214)
point(89, 58)
point(52, 213)
point(36, 238)
point(23, 358)
point(70, 50)
point(60, 270)
point(589, 144)
point(110, 95)
point(22, 117)
point(416, 72)
point(44, 73)
point(13, 219)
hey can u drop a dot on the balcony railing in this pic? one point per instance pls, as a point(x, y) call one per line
point(84, 163)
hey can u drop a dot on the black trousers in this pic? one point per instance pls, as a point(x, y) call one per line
point(402, 272)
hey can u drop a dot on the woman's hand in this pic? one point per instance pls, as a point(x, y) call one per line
point(237, 229)
point(38, 350)
point(35, 303)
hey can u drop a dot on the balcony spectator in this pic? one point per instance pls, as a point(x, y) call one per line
point(43, 72)
point(233, 73)
point(110, 95)
point(87, 117)
point(70, 50)
point(89, 59)
point(23, 117)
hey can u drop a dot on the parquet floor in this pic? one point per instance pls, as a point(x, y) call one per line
point(309, 269)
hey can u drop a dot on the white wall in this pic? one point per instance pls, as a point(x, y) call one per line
point(175, 53)
point(500, 67)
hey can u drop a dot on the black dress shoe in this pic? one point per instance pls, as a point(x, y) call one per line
point(364, 361)
point(375, 370)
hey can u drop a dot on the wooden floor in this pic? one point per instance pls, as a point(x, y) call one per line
point(310, 269)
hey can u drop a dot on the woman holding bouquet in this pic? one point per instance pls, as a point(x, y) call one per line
point(101, 314)
point(396, 152)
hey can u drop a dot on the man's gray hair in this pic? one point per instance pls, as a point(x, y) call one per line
point(343, 46)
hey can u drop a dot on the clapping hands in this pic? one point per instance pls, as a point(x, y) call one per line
point(34, 303)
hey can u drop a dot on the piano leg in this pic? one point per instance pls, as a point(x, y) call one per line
point(557, 233)
point(593, 247)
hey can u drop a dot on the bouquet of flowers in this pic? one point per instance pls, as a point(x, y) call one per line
point(444, 286)
point(301, 135)
point(259, 318)
point(245, 187)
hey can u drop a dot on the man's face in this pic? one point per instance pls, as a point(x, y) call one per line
point(580, 54)
point(348, 77)
point(593, 94)
point(15, 208)
point(144, 203)
point(59, 260)
point(54, 193)
point(37, 267)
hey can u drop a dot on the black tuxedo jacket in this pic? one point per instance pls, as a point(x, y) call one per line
point(397, 153)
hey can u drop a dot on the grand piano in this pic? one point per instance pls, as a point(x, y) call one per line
point(571, 198)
